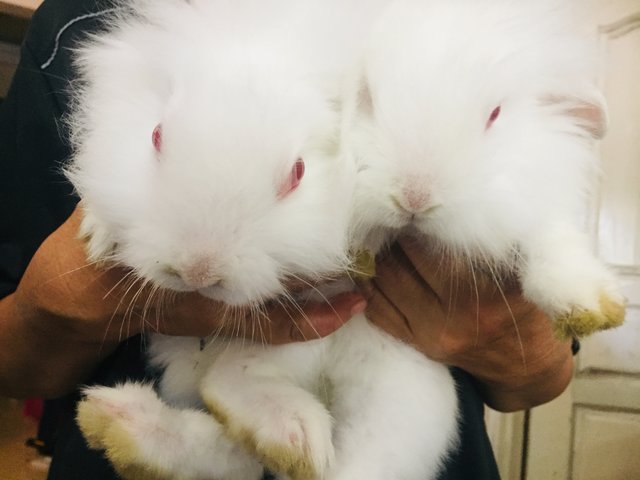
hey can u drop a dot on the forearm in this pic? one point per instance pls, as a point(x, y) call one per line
point(56, 326)
point(41, 354)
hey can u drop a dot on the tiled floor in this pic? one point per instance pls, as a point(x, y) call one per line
point(17, 462)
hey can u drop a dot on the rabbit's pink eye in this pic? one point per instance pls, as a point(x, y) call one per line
point(297, 172)
point(293, 179)
point(492, 118)
point(156, 137)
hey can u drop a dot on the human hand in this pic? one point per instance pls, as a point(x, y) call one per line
point(462, 318)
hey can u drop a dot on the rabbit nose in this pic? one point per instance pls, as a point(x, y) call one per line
point(413, 200)
point(200, 272)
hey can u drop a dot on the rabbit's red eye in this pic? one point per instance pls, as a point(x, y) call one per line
point(156, 137)
point(293, 179)
point(493, 117)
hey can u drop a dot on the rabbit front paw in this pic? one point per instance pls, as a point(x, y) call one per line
point(288, 431)
point(119, 421)
point(576, 290)
point(580, 322)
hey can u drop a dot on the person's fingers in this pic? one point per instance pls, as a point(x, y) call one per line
point(287, 324)
point(398, 279)
point(431, 265)
point(382, 312)
point(427, 313)
point(460, 280)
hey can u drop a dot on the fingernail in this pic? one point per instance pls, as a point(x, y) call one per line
point(359, 307)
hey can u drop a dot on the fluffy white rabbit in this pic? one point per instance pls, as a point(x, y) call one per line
point(194, 124)
point(474, 127)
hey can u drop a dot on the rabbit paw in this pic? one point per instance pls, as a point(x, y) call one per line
point(580, 322)
point(575, 289)
point(119, 421)
point(289, 434)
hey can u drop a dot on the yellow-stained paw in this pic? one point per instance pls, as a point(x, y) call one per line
point(580, 323)
point(93, 423)
point(363, 265)
point(102, 426)
point(292, 461)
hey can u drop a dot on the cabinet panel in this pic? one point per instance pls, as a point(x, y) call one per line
point(606, 445)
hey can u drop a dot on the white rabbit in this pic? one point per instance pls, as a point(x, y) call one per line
point(193, 126)
point(474, 126)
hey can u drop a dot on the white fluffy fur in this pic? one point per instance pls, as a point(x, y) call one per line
point(239, 101)
point(509, 196)
point(237, 107)
point(186, 442)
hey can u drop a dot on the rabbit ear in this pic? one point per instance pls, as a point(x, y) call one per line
point(589, 112)
point(592, 116)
